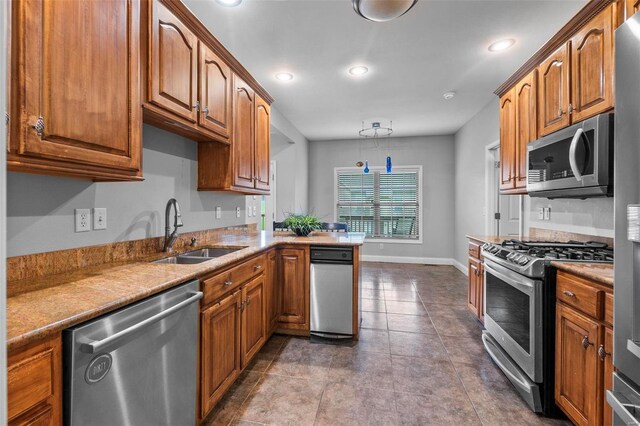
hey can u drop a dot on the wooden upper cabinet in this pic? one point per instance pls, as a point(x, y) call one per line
point(507, 140)
point(262, 144)
point(526, 125)
point(592, 66)
point(215, 92)
point(76, 98)
point(243, 134)
point(173, 64)
point(578, 368)
point(220, 350)
point(553, 91)
point(254, 318)
point(632, 7)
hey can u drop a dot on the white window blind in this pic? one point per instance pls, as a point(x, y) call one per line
point(380, 204)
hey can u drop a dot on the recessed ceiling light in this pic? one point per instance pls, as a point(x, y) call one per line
point(229, 3)
point(284, 76)
point(358, 70)
point(449, 95)
point(501, 45)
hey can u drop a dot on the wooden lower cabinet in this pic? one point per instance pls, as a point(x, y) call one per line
point(584, 364)
point(220, 349)
point(293, 277)
point(254, 318)
point(34, 384)
point(272, 295)
point(475, 290)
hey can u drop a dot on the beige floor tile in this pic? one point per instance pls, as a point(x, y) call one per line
point(405, 308)
point(411, 323)
point(417, 345)
point(362, 369)
point(437, 410)
point(343, 404)
point(376, 320)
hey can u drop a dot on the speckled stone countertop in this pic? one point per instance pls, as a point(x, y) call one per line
point(600, 272)
point(494, 239)
point(41, 306)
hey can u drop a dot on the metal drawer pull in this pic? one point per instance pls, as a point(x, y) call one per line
point(585, 342)
point(228, 283)
point(100, 345)
point(568, 293)
point(248, 300)
point(257, 267)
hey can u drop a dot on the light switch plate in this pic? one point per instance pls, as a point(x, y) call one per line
point(83, 220)
point(218, 212)
point(237, 211)
point(255, 211)
point(547, 213)
point(541, 213)
point(99, 218)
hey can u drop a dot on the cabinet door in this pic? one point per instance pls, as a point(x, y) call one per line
point(473, 293)
point(254, 318)
point(263, 127)
point(79, 91)
point(294, 308)
point(606, 357)
point(553, 92)
point(632, 7)
point(273, 292)
point(173, 64)
point(578, 369)
point(526, 125)
point(507, 140)
point(220, 350)
point(243, 127)
point(592, 66)
point(41, 416)
point(215, 92)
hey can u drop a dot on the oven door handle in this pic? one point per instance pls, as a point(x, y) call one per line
point(573, 161)
point(514, 279)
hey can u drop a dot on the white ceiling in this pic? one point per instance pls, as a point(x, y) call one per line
point(437, 47)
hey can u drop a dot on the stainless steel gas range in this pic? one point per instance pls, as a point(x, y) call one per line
point(519, 311)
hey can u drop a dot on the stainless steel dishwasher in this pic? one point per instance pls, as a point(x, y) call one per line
point(137, 365)
point(331, 292)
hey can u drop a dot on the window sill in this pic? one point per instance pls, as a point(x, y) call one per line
point(392, 241)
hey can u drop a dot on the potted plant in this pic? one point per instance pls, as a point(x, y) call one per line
point(302, 224)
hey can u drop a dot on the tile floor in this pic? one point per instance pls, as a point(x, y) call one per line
point(419, 361)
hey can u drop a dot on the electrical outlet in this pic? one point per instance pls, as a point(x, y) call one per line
point(547, 213)
point(248, 211)
point(541, 213)
point(255, 211)
point(83, 220)
point(237, 211)
point(99, 218)
point(218, 212)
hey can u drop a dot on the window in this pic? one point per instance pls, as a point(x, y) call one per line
point(382, 205)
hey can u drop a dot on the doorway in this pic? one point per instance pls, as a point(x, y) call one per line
point(268, 208)
point(503, 212)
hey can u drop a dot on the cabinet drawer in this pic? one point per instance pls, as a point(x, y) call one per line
point(218, 285)
point(608, 308)
point(30, 381)
point(580, 294)
point(474, 249)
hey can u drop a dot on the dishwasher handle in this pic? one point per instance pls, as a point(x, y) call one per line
point(100, 345)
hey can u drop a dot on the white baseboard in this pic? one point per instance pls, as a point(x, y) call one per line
point(402, 259)
point(460, 267)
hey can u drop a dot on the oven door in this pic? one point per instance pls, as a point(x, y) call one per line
point(513, 316)
point(577, 158)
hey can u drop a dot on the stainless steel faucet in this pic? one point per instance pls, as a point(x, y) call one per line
point(170, 237)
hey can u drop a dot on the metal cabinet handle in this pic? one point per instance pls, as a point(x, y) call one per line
point(196, 106)
point(206, 110)
point(571, 109)
point(586, 343)
point(228, 283)
point(241, 307)
point(100, 345)
point(39, 126)
point(568, 293)
point(602, 353)
point(248, 300)
point(257, 267)
point(560, 112)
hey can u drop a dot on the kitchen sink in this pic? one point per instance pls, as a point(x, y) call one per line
point(182, 260)
point(212, 252)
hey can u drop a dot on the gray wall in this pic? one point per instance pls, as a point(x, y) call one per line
point(41, 208)
point(470, 145)
point(433, 153)
point(290, 150)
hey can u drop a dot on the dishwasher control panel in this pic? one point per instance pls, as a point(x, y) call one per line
point(321, 254)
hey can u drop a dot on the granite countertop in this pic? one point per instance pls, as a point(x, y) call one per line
point(42, 306)
point(494, 239)
point(600, 272)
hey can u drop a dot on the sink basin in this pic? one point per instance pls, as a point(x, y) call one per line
point(212, 252)
point(182, 260)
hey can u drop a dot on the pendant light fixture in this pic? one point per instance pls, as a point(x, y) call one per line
point(376, 130)
point(382, 10)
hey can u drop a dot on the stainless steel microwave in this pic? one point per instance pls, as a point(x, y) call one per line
point(576, 162)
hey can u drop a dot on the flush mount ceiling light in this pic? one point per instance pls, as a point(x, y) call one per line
point(376, 130)
point(449, 95)
point(358, 70)
point(501, 45)
point(382, 10)
point(284, 76)
point(229, 3)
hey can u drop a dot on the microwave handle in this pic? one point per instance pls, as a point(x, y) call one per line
point(573, 162)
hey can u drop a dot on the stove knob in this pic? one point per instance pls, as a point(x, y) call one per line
point(523, 261)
